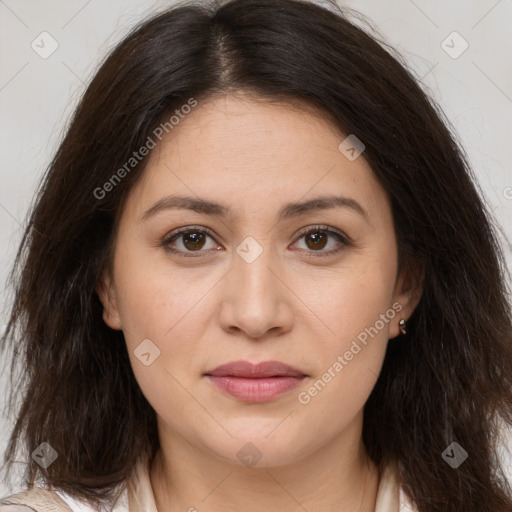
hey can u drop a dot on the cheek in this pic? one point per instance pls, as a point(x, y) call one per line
point(144, 308)
point(174, 322)
point(350, 303)
point(350, 357)
point(160, 326)
point(162, 316)
point(153, 299)
point(356, 306)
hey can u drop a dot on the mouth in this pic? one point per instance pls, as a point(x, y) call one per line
point(255, 383)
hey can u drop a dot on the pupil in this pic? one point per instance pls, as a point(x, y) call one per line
point(194, 239)
point(317, 237)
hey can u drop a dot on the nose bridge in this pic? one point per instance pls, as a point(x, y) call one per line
point(256, 300)
point(251, 267)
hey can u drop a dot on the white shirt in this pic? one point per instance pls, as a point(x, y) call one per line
point(138, 495)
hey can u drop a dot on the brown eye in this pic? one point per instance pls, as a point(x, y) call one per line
point(187, 241)
point(316, 240)
point(193, 240)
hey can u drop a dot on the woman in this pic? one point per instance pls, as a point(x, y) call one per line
point(250, 282)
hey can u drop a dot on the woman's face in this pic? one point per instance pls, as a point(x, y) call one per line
point(257, 277)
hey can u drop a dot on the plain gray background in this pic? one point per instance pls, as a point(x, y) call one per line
point(37, 94)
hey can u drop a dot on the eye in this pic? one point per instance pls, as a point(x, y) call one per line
point(191, 239)
point(317, 238)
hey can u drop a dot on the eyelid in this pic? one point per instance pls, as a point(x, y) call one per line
point(175, 233)
point(344, 239)
point(323, 227)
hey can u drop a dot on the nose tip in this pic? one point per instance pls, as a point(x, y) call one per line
point(255, 300)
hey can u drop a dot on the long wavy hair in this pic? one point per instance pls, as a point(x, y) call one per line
point(449, 379)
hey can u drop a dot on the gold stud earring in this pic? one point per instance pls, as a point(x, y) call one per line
point(402, 326)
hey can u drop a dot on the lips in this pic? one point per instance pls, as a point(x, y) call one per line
point(255, 383)
point(255, 371)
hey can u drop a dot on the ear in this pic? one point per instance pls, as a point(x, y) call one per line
point(107, 295)
point(408, 291)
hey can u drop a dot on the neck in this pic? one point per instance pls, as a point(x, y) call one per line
point(337, 477)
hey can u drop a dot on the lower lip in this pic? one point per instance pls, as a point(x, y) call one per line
point(255, 390)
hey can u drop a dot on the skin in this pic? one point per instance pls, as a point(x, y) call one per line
point(204, 311)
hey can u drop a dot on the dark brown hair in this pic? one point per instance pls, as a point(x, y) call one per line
point(447, 380)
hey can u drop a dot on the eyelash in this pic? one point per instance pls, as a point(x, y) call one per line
point(196, 229)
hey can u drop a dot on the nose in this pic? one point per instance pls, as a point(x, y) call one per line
point(256, 299)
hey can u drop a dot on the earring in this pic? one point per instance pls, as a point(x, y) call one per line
point(402, 326)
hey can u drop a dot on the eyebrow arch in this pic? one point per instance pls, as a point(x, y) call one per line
point(289, 210)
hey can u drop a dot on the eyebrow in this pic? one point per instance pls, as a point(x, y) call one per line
point(288, 211)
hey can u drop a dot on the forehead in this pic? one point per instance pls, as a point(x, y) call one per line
point(249, 154)
point(243, 130)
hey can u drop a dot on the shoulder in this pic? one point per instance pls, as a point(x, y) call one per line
point(40, 499)
point(37, 499)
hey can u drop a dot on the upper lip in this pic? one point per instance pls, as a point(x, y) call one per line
point(255, 371)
